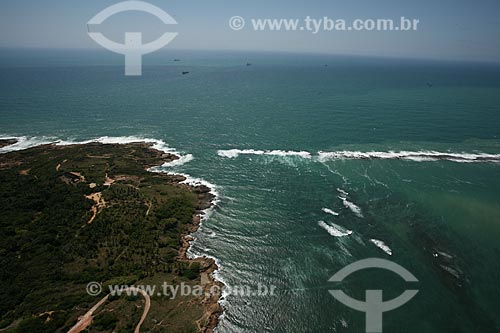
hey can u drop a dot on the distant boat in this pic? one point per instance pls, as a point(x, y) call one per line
point(429, 84)
point(184, 73)
point(249, 64)
point(177, 59)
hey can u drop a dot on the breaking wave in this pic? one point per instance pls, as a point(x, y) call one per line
point(334, 229)
point(352, 206)
point(416, 156)
point(329, 211)
point(381, 245)
point(233, 153)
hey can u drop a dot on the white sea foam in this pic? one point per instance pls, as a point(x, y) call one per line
point(24, 142)
point(183, 159)
point(381, 245)
point(155, 143)
point(352, 206)
point(233, 153)
point(303, 154)
point(329, 211)
point(417, 156)
point(193, 254)
point(197, 182)
point(334, 229)
point(341, 191)
point(29, 142)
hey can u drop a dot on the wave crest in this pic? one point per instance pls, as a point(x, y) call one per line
point(416, 156)
point(334, 229)
point(233, 153)
point(381, 245)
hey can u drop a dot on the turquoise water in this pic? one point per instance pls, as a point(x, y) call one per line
point(265, 228)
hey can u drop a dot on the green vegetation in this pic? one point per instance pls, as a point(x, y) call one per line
point(105, 321)
point(49, 251)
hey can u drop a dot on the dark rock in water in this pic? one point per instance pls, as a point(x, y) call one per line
point(450, 270)
point(202, 189)
point(184, 73)
point(177, 178)
point(456, 274)
point(204, 205)
point(445, 264)
point(7, 142)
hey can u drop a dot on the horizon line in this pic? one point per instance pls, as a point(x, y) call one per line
point(288, 52)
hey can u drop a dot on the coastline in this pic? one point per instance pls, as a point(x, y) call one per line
point(157, 150)
point(7, 142)
point(208, 281)
point(206, 201)
point(208, 265)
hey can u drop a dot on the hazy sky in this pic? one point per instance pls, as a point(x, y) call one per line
point(460, 29)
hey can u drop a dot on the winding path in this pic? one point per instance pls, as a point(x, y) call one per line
point(85, 320)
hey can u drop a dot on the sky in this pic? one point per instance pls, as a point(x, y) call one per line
point(458, 30)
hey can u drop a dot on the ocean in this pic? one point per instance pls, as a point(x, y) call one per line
point(319, 161)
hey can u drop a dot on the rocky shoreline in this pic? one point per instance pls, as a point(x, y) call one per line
point(7, 142)
point(212, 288)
